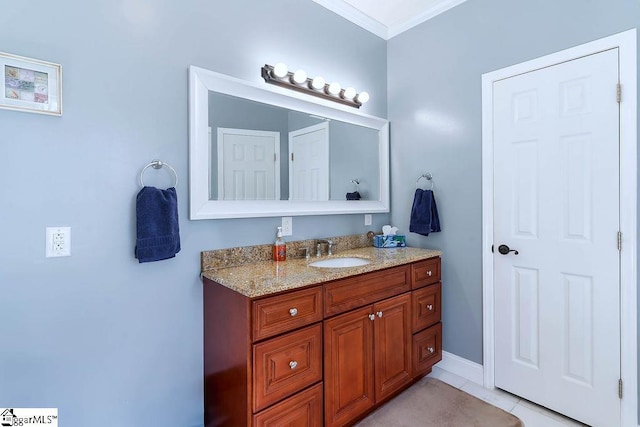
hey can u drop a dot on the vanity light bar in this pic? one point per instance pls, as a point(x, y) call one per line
point(279, 75)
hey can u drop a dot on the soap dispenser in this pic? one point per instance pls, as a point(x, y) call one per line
point(279, 247)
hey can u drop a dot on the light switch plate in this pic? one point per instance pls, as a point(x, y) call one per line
point(367, 219)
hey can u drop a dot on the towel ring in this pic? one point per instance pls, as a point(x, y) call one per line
point(426, 176)
point(158, 164)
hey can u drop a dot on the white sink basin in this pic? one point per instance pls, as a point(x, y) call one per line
point(340, 262)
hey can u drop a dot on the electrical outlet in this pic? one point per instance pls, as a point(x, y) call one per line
point(58, 241)
point(287, 226)
point(367, 219)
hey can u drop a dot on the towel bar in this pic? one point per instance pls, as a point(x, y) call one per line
point(157, 164)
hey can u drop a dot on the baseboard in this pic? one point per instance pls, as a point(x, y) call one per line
point(461, 367)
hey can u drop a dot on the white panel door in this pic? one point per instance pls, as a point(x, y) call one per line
point(556, 202)
point(309, 163)
point(248, 164)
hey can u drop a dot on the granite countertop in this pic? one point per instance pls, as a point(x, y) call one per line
point(268, 277)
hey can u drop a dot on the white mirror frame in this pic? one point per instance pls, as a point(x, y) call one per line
point(201, 81)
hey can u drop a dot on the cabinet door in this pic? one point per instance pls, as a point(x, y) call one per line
point(392, 332)
point(348, 366)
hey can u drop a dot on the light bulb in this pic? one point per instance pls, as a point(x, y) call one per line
point(349, 93)
point(317, 83)
point(279, 70)
point(299, 77)
point(362, 97)
point(334, 88)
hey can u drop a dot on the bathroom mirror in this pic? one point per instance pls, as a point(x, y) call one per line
point(330, 145)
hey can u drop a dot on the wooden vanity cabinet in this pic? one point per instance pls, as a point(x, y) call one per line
point(325, 355)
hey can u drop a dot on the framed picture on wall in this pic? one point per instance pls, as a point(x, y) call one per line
point(30, 85)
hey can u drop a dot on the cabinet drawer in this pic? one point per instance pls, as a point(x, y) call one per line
point(353, 292)
point(285, 365)
point(274, 315)
point(426, 306)
point(302, 409)
point(427, 349)
point(425, 272)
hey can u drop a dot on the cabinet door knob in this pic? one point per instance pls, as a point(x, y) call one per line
point(379, 313)
point(293, 364)
point(430, 307)
point(429, 273)
point(293, 311)
point(431, 350)
point(372, 316)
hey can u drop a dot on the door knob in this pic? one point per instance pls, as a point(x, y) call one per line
point(504, 249)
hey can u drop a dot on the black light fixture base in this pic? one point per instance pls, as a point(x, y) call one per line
point(304, 87)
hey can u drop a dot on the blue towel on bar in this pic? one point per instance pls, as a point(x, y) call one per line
point(157, 233)
point(424, 213)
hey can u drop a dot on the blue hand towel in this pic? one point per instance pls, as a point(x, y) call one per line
point(157, 233)
point(424, 213)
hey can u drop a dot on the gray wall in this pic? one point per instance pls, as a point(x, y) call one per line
point(436, 123)
point(352, 156)
point(98, 335)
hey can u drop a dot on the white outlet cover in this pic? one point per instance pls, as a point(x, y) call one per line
point(58, 242)
point(367, 219)
point(287, 226)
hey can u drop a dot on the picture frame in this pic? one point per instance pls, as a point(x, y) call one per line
point(30, 85)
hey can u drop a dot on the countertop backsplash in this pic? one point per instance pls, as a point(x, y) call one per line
point(233, 257)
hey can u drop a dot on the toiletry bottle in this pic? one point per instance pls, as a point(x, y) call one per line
point(279, 247)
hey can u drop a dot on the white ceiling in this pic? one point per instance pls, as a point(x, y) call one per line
point(388, 18)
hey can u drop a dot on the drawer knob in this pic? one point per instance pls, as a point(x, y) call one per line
point(430, 307)
point(372, 316)
point(429, 273)
point(379, 313)
point(431, 350)
point(293, 364)
point(293, 311)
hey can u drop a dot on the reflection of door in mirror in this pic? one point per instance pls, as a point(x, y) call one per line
point(248, 164)
point(309, 163)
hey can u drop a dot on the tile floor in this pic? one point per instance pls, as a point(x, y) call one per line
point(531, 414)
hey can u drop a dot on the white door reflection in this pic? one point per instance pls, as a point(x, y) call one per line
point(248, 164)
point(309, 163)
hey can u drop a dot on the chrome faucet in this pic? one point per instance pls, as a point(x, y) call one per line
point(329, 244)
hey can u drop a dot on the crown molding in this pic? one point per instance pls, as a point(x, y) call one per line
point(441, 7)
point(363, 20)
point(354, 15)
